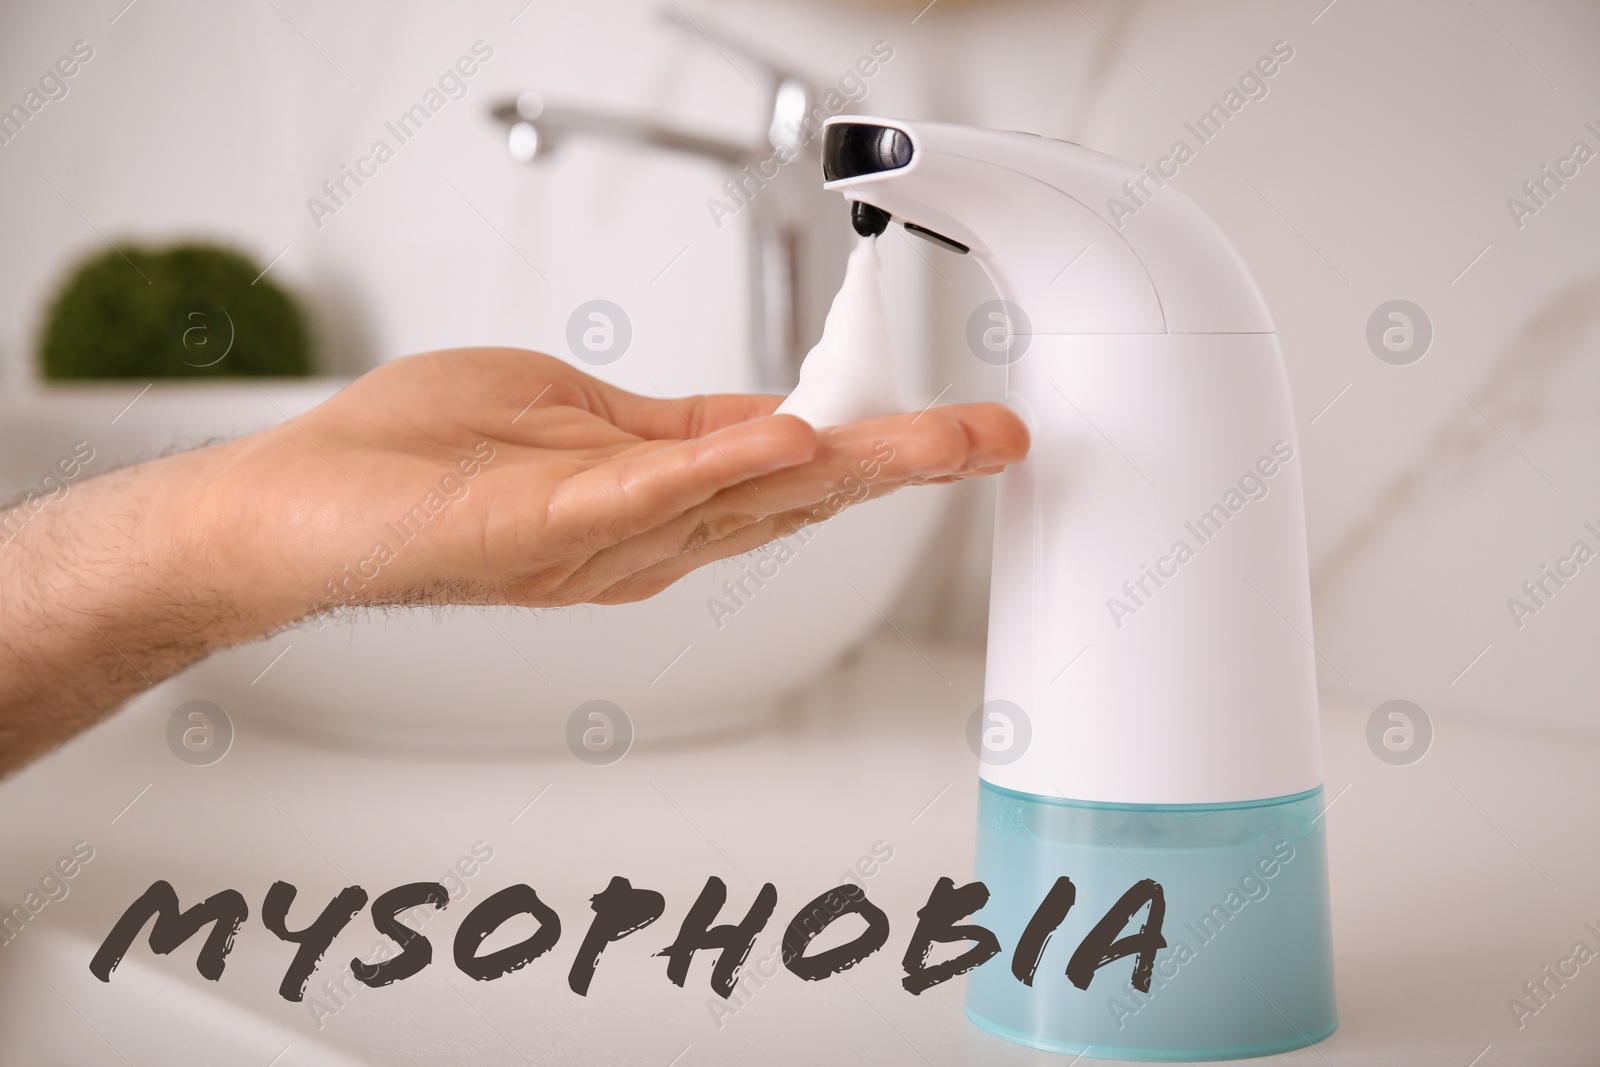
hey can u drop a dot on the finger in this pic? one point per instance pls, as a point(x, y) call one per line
point(651, 580)
point(644, 488)
point(561, 419)
point(850, 464)
point(681, 417)
point(568, 429)
point(503, 388)
point(964, 475)
point(938, 442)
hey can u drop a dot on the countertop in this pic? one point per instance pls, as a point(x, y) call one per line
point(1455, 880)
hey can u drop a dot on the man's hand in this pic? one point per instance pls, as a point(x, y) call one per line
point(481, 476)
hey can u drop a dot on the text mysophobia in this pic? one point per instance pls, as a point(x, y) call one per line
point(622, 909)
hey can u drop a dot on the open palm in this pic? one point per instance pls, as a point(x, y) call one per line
point(496, 475)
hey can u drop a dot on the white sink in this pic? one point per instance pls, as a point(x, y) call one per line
point(53, 1011)
point(472, 679)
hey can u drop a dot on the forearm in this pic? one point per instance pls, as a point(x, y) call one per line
point(107, 591)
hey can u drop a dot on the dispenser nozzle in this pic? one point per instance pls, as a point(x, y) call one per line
point(868, 220)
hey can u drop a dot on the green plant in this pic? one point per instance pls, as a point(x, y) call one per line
point(190, 310)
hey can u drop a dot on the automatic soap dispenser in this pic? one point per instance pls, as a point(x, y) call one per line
point(1150, 813)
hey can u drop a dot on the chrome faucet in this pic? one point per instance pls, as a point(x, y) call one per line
point(797, 246)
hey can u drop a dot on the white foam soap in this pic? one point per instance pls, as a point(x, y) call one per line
point(850, 373)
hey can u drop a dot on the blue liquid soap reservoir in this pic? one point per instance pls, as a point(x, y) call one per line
point(1150, 814)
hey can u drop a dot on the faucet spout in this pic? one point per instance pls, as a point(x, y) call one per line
point(538, 129)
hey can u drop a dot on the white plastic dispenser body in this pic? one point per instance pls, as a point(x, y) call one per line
point(1151, 683)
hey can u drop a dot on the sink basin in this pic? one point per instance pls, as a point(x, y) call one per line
point(52, 1011)
point(466, 678)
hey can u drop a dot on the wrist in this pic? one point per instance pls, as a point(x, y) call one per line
point(216, 537)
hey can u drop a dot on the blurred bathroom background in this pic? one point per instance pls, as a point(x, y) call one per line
point(1377, 166)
